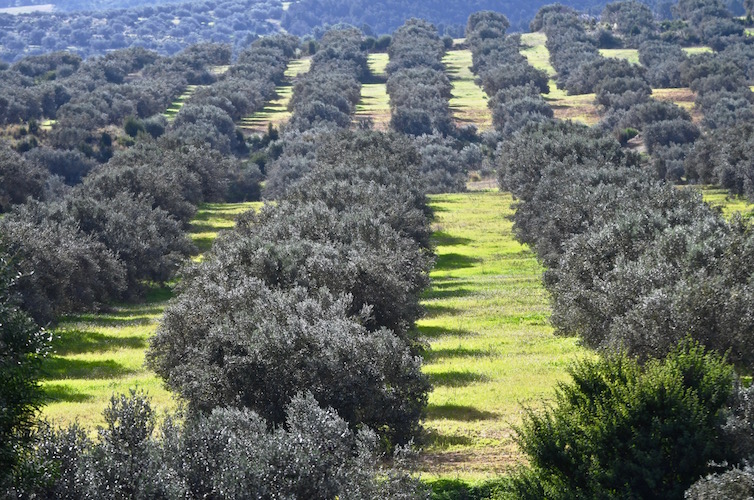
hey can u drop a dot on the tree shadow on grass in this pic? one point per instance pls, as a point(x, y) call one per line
point(452, 261)
point(203, 243)
point(79, 341)
point(453, 378)
point(434, 332)
point(448, 290)
point(444, 239)
point(64, 394)
point(454, 352)
point(57, 368)
point(459, 412)
point(434, 310)
point(431, 436)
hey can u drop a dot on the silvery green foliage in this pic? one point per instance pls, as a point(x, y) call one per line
point(229, 453)
point(232, 341)
point(735, 484)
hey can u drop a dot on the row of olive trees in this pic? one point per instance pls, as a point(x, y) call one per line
point(419, 91)
point(633, 266)
point(514, 86)
point(124, 221)
point(418, 87)
point(323, 101)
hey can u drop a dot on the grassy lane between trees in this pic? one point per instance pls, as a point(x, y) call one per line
point(96, 355)
point(579, 108)
point(375, 102)
point(468, 101)
point(492, 348)
point(276, 111)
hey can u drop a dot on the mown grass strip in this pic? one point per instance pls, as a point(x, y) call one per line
point(492, 348)
point(96, 355)
point(176, 106)
point(375, 101)
point(468, 102)
point(276, 112)
point(630, 55)
point(579, 108)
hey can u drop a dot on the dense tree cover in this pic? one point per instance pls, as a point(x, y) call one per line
point(724, 157)
point(226, 454)
point(329, 280)
point(632, 264)
point(449, 16)
point(164, 28)
point(326, 96)
point(418, 87)
point(23, 346)
point(514, 87)
point(623, 430)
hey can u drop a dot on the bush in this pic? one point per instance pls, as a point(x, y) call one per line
point(622, 430)
point(234, 342)
point(227, 454)
point(23, 346)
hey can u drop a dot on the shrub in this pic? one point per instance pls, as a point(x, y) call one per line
point(23, 346)
point(622, 430)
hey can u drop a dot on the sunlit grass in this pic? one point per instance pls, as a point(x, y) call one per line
point(276, 112)
point(375, 101)
point(377, 63)
point(630, 55)
point(579, 108)
point(697, 50)
point(468, 102)
point(492, 348)
point(176, 106)
point(728, 203)
point(96, 355)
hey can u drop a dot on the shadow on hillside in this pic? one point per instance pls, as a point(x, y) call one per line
point(80, 341)
point(459, 412)
point(453, 378)
point(57, 368)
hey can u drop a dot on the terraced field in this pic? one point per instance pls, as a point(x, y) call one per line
point(276, 111)
point(468, 101)
point(375, 102)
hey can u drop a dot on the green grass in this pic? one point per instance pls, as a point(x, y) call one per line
point(630, 55)
point(579, 108)
point(96, 355)
point(375, 101)
point(468, 102)
point(176, 106)
point(536, 52)
point(697, 50)
point(377, 63)
point(276, 111)
point(492, 348)
point(729, 204)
